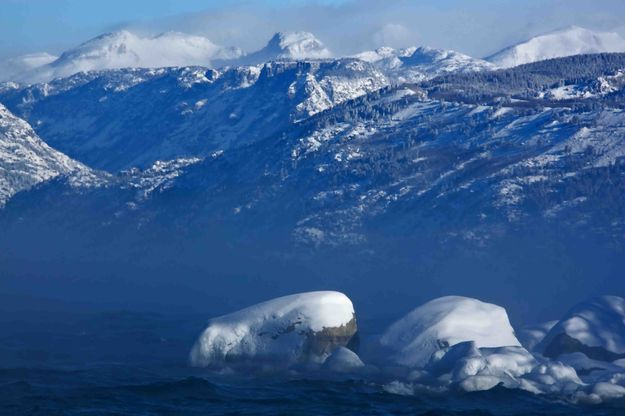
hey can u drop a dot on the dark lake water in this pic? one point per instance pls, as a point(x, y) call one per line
point(127, 390)
point(127, 363)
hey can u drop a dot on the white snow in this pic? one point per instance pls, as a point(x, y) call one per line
point(272, 331)
point(570, 41)
point(445, 322)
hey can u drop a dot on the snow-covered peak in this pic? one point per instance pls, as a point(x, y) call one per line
point(419, 63)
point(124, 49)
point(573, 40)
point(25, 160)
point(298, 45)
point(288, 46)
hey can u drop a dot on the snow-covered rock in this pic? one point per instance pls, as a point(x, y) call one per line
point(287, 46)
point(25, 160)
point(595, 328)
point(125, 49)
point(445, 322)
point(13, 68)
point(566, 42)
point(296, 329)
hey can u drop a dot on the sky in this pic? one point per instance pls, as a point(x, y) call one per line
point(475, 27)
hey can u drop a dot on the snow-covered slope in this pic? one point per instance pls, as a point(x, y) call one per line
point(124, 49)
point(570, 41)
point(14, 68)
point(445, 322)
point(25, 160)
point(417, 64)
point(287, 46)
point(284, 331)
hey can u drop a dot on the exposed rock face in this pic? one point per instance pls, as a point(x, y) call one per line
point(297, 329)
point(595, 328)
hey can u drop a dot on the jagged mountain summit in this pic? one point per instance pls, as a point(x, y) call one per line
point(573, 40)
point(14, 68)
point(26, 160)
point(124, 49)
point(420, 63)
point(286, 46)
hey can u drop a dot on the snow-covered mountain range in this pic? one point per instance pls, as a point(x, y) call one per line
point(498, 139)
point(124, 49)
point(565, 42)
point(399, 156)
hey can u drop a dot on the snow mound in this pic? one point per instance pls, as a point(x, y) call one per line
point(296, 329)
point(288, 46)
point(595, 328)
point(124, 49)
point(566, 42)
point(445, 322)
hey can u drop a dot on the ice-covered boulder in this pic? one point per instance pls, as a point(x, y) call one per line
point(297, 329)
point(445, 322)
point(595, 328)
